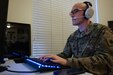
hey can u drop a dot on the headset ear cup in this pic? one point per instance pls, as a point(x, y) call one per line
point(89, 13)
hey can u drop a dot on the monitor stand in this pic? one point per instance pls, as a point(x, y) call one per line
point(2, 68)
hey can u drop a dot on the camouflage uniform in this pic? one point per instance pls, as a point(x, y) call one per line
point(91, 49)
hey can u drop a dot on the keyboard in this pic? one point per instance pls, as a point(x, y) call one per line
point(42, 66)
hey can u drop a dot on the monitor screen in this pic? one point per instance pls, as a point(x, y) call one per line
point(18, 39)
point(2, 41)
point(3, 19)
point(110, 25)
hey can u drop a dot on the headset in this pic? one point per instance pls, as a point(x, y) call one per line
point(88, 12)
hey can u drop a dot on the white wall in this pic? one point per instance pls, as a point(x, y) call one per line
point(105, 11)
point(20, 11)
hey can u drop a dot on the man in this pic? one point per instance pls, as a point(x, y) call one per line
point(90, 47)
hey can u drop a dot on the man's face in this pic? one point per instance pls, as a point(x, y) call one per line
point(77, 14)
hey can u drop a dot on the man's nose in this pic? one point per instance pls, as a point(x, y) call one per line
point(70, 14)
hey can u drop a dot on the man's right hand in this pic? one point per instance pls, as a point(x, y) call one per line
point(54, 58)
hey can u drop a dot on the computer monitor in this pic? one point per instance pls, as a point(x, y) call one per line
point(18, 40)
point(110, 25)
point(2, 41)
point(2, 36)
point(3, 19)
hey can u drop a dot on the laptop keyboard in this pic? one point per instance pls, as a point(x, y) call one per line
point(42, 66)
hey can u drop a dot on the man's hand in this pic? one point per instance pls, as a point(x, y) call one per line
point(54, 58)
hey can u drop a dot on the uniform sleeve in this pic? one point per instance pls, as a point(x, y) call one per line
point(101, 63)
point(67, 52)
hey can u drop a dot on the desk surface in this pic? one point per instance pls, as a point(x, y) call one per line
point(23, 67)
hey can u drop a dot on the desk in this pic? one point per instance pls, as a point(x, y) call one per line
point(23, 67)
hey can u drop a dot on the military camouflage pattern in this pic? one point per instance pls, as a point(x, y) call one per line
point(91, 49)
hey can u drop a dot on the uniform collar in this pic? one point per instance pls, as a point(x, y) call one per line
point(88, 30)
